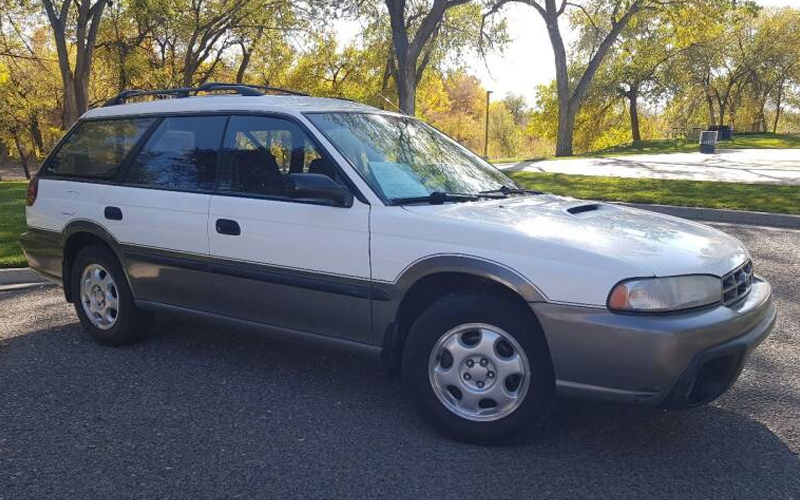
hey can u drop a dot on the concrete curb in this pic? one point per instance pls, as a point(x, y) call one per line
point(767, 219)
point(17, 278)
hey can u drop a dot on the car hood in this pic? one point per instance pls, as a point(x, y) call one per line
point(662, 244)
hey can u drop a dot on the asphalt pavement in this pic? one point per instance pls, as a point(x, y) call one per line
point(207, 412)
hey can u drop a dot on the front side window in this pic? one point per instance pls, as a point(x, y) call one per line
point(404, 158)
point(96, 149)
point(181, 154)
point(259, 152)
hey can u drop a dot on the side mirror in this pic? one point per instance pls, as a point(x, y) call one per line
point(318, 187)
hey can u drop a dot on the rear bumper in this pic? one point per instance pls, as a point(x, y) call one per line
point(678, 360)
point(44, 252)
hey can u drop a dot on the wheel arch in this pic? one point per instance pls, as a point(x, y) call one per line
point(429, 279)
point(77, 235)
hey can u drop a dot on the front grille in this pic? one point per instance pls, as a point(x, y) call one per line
point(736, 284)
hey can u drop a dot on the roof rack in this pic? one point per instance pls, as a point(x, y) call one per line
point(238, 88)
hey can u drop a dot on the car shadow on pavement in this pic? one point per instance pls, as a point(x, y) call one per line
point(200, 411)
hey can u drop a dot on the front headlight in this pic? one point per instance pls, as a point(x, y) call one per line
point(665, 294)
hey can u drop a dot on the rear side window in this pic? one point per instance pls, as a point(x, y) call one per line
point(97, 148)
point(181, 154)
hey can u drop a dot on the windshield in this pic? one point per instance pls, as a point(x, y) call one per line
point(403, 158)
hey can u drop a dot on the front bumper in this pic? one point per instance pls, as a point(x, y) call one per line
point(682, 359)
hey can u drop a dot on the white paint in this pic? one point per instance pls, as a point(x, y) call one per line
point(158, 218)
point(570, 258)
point(319, 238)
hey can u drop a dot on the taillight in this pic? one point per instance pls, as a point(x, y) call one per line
point(33, 191)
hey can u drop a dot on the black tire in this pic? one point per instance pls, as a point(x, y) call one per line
point(131, 324)
point(469, 307)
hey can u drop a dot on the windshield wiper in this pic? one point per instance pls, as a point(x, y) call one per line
point(507, 190)
point(439, 197)
point(435, 198)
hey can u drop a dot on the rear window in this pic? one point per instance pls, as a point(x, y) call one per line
point(181, 154)
point(97, 148)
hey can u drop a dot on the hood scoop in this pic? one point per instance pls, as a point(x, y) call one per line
point(580, 209)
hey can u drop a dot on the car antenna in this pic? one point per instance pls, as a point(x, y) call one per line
point(395, 106)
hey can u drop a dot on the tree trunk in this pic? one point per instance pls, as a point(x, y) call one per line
point(36, 135)
point(633, 106)
point(4, 155)
point(188, 73)
point(712, 116)
point(123, 82)
point(71, 111)
point(23, 156)
point(777, 109)
point(407, 90)
point(246, 54)
point(565, 121)
point(566, 129)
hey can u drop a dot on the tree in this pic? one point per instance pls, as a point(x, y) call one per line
point(412, 42)
point(518, 107)
point(82, 31)
point(127, 24)
point(609, 18)
point(639, 62)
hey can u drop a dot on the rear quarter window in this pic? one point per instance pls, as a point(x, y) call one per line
point(96, 149)
point(180, 155)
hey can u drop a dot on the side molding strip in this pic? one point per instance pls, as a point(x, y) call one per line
point(259, 273)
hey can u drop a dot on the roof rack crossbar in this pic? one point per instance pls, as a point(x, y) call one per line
point(239, 88)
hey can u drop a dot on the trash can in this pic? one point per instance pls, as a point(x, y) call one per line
point(708, 141)
point(724, 132)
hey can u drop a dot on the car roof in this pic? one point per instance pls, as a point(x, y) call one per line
point(289, 104)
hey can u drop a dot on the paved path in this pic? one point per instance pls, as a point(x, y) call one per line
point(207, 412)
point(769, 166)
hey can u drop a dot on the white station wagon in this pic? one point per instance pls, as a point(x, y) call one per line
point(329, 220)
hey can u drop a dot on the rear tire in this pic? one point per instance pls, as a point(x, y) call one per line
point(103, 300)
point(479, 368)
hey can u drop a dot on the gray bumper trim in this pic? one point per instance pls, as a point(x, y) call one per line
point(638, 358)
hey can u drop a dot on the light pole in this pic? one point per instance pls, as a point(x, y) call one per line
point(486, 128)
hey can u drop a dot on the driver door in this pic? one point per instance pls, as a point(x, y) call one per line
point(293, 264)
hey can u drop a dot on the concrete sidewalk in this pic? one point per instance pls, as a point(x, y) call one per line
point(756, 166)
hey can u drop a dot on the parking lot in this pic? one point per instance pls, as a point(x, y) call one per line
point(205, 412)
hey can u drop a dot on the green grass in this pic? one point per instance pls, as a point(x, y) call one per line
point(740, 141)
point(758, 197)
point(12, 223)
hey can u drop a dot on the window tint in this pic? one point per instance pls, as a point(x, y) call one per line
point(260, 151)
point(97, 148)
point(181, 154)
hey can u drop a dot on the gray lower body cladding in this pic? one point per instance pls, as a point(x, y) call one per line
point(638, 358)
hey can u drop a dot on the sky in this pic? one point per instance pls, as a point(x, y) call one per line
point(527, 61)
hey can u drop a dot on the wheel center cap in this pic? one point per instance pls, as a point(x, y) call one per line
point(98, 295)
point(478, 372)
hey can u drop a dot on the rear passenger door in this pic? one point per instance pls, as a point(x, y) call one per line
point(293, 264)
point(160, 211)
